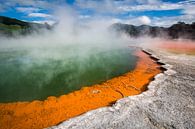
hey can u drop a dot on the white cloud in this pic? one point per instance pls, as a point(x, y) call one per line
point(30, 3)
point(155, 21)
point(128, 5)
point(34, 3)
point(147, 7)
point(187, 13)
point(84, 16)
point(104, 6)
point(167, 21)
point(145, 20)
point(50, 22)
point(27, 9)
point(44, 15)
point(190, 10)
point(115, 8)
point(187, 1)
point(116, 20)
point(148, 1)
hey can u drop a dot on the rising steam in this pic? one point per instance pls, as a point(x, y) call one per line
point(50, 60)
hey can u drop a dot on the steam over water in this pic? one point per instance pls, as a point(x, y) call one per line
point(36, 73)
point(55, 62)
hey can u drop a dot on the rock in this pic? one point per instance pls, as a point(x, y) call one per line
point(96, 91)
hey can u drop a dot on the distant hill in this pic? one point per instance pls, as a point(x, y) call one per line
point(179, 30)
point(14, 27)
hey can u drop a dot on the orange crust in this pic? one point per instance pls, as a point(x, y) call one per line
point(41, 114)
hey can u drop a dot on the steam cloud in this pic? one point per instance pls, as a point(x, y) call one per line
point(67, 52)
point(70, 31)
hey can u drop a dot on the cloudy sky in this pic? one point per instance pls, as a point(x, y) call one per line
point(137, 12)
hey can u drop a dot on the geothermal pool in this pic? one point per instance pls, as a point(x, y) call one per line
point(28, 74)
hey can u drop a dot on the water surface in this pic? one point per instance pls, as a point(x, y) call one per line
point(28, 74)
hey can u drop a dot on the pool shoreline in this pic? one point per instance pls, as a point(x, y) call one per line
point(41, 114)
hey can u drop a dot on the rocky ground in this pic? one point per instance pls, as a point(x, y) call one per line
point(169, 102)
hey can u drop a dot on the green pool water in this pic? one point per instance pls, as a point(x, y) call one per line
point(34, 74)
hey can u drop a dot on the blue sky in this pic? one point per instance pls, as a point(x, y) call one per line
point(137, 12)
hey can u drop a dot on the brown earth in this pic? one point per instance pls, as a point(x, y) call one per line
point(183, 46)
point(41, 114)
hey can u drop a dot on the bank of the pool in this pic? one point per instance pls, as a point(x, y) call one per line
point(166, 104)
